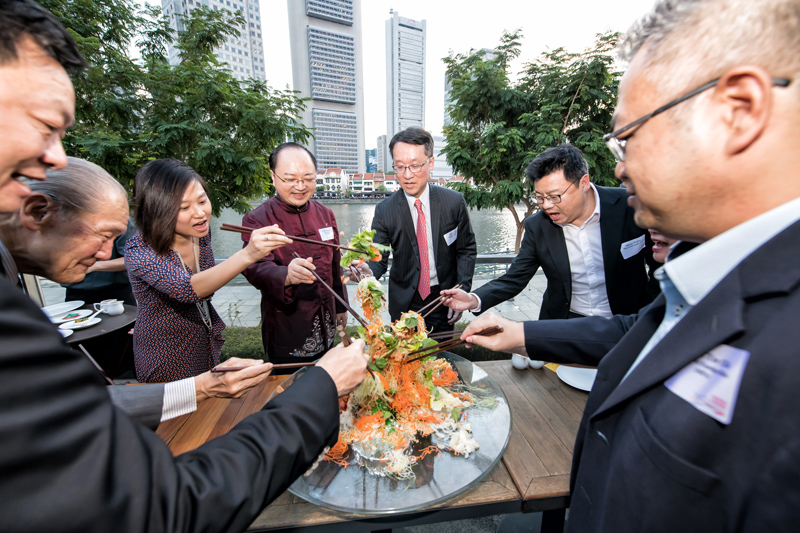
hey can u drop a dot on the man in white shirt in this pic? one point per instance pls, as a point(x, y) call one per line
point(592, 252)
point(691, 425)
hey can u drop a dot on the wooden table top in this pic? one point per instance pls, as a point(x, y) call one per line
point(533, 475)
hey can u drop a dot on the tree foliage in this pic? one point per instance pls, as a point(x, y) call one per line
point(132, 110)
point(499, 124)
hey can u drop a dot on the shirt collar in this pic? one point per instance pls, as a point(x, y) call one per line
point(290, 208)
point(424, 197)
point(696, 272)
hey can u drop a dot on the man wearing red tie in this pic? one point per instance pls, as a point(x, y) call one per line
point(429, 231)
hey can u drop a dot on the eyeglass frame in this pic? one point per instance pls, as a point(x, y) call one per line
point(294, 183)
point(549, 197)
point(408, 167)
point(617, 146)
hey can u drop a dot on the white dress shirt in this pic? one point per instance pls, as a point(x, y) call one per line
point(585, 251)
point(425, 198)
point(687, 279)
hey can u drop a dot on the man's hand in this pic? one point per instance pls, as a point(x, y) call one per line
point(346, 366)
point(231, 384)
point(453, 316)
point(300, 271)
point(459, 300)
point(362, 268)
point(341, 320)
point(511, 339)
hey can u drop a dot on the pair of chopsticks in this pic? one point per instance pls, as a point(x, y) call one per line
point(242, 229)
point(284, 365)
point(449, 345)
point(438, 301)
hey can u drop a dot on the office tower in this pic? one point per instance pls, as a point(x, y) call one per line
point(244, 55)
point(372, 160)
point(325, 37)
point(384, 159)
point(405, 73)
point(440, 167)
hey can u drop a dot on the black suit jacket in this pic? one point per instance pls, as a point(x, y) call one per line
point(394, 226)
point(544, 245)
point(71, 461)
point(645, 459)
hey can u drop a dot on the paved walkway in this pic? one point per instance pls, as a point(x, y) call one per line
point(238, 303)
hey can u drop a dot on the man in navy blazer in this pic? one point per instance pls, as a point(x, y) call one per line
point(692, 423)
point(451, 249)
point(585, 240)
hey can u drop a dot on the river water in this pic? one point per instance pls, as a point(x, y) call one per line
point(494, 229)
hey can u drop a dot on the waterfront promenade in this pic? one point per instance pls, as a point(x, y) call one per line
point(238, 303)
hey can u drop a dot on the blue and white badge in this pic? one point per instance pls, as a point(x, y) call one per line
point(326, 234)
point(711, 383)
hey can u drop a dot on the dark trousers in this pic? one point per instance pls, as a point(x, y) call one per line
point(437, 320)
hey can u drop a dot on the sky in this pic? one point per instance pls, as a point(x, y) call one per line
point(455, 26)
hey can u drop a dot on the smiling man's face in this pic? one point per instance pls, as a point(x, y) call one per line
point(37, 105)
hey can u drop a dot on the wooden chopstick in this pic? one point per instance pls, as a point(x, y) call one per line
point(441, 300)
point(242, 229)
point(284, 365)
point(336, 295)
point(452, 343)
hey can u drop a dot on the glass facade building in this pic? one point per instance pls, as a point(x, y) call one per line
point(405, 74)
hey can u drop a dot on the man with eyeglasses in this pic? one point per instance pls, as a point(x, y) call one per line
point(299, 316)
point(428, 228)
point(584, 238)
point(691, 424)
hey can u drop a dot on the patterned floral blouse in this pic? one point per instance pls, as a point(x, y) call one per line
point(170, 340)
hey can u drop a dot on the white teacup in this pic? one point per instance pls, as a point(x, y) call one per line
point(536, 364)
point(112, 307)
point(520, 362)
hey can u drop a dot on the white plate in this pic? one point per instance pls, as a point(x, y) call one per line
point(66, 332)
point(71, 315)
point(62, 308)
point(80, 325)
point(580, 378)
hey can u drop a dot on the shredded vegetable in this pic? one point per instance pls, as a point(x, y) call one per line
point(371, 251)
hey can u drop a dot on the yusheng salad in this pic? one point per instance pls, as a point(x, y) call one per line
point(402, 400)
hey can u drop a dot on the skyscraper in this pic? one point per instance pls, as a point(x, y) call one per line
point(325, 37)
point(244, 54)
point(405, 74)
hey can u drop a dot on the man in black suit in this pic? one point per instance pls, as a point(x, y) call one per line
point(447, 254)
point(70, 460)
point(691, 424)
point(584, 238)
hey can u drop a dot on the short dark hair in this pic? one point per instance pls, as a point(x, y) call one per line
point(273, 157)
point(20, 18)
point(565, 157)
point(157, 195)
point(416, 136)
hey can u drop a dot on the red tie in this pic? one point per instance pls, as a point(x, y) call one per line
point(422, 242)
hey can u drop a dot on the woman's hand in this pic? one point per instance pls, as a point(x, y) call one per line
point(264, 240)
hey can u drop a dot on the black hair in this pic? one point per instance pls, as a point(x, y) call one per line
point(416, 136)
point(565, 157)
point(20, 18)
point(273, 157)
point(158, 191)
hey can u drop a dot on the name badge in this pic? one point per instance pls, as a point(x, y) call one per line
point(450, 237)
point(326, 234)
point(711, 384)
point(632, 247)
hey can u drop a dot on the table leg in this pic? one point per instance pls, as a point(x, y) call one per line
point(553, 521)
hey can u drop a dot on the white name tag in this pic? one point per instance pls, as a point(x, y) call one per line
point(450, 237)
point(711, 384)
point(326, 234)
point(632, 247)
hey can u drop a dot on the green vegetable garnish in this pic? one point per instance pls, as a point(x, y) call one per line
point(363, 241)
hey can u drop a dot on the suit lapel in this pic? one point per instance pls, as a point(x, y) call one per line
point(406, 222)
point(554, 237)
point(436, 220)
point(612, 217)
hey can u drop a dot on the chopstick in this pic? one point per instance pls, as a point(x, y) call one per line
point(336, 295)
point(284, 365)
point(243, 229)
point(441, 300)
point(452, 343)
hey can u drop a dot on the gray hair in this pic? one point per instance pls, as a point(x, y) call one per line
point(79, 188)
point(693, 41)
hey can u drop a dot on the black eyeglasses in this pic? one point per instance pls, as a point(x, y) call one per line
point(552, 198)
point(617, 146)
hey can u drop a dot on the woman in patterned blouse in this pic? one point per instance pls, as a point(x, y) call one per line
point(170, 263)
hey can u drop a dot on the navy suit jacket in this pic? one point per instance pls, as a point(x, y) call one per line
point(71, 461)
point(543, 245)
point(393, 225)
point(647, 460)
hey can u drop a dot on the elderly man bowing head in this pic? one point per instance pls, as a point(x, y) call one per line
point(299, 315)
